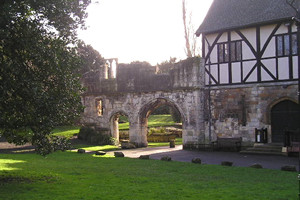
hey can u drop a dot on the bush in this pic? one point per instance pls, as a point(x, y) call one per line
point(96, 137)
point(156, 130)
point(51, 144)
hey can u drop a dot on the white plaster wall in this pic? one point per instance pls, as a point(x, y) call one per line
point(224, 74)
point(271, 66)
point(282, 29)
point(283, 69)
point(265, 32)
point(247, 66)
point(295, 66)
point(250, 34)
point(236, 72)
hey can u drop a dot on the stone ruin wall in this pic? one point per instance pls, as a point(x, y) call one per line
point(137, 90)
point(237, 110)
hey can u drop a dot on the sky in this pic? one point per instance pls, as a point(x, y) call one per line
point(141, 30)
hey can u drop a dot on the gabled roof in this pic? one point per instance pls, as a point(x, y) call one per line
point(230, 14)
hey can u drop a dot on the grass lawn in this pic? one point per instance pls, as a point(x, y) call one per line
point(68, 175)
point(153, 121)
point(66, 131)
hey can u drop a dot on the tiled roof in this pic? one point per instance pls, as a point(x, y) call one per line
point(230, 14)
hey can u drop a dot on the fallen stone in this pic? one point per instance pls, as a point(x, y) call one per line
point(227, 163)
point(196, 160)
point(166, 158)
point(100, 153)
point(80, 151)
point(118, 154)
point(256, 165)
point(289, 168)
point(144, 157)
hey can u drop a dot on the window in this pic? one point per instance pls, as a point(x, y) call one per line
point(286, 44)
point(99, 107)
point(232, 50)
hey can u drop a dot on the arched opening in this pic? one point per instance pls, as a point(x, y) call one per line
point(161, 121)
point(119, 126)
point(284, 116)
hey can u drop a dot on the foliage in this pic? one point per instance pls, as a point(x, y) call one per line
point(91, 58)
point(68, 175)
point(39, 88)
point(156, 130)
point(166, 66)
point(97, 137)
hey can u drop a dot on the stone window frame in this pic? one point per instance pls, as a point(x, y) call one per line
point(99, 107)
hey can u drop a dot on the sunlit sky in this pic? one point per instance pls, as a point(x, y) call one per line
point(141, 30)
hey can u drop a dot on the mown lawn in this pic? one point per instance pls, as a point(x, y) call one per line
point(153, 121)
point(68, 175)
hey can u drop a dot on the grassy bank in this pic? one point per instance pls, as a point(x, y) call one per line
point(153, 121)
point(66, 175)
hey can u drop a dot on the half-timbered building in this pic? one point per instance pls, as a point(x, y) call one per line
point(251, 69)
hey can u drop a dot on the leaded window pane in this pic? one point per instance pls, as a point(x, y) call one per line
point(279, 46)
point(294, 44)
point(226, 52)
point(286, 45)
point(221, 53)
point(239, 50)
point(233, 51)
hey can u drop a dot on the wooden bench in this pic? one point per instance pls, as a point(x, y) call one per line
point(227, 144)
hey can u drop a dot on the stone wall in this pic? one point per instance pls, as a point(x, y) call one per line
point(138, 90)
point(237, 110)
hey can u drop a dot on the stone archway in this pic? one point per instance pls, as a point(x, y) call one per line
point(284, 116)
point(148, 109)
point(114, 124)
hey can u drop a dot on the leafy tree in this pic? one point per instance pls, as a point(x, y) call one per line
point(166, 66)
point(39, 88)
point(91, 58)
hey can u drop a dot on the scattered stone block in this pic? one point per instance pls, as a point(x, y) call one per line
point(289, 168)
point(80, 151)
point(227, 163)
point(196, 160)
point(118, 154)
point(144, 157)
point(100, 153)
point(166, 158)
point(256, 165)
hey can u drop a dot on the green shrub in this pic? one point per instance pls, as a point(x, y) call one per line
point(51, 144)
point(96, 137)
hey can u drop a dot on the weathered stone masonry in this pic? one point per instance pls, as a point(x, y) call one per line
point(237, 110)
point(137, 91)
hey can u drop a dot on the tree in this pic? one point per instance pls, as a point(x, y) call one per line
point(189, 33)
point(91, 58)
point(166, 66)
point(39, 88)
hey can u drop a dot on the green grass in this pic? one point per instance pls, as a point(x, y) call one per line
point(153, 121)
point(97, 148)
point(178, 141)
point(66, 131)
point(66, 175)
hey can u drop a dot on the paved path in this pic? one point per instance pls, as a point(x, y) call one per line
point(244, 160)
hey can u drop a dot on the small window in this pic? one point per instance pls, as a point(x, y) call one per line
point(286, 44)
point(294, 44)
point(234, 52)
point(99, 107)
